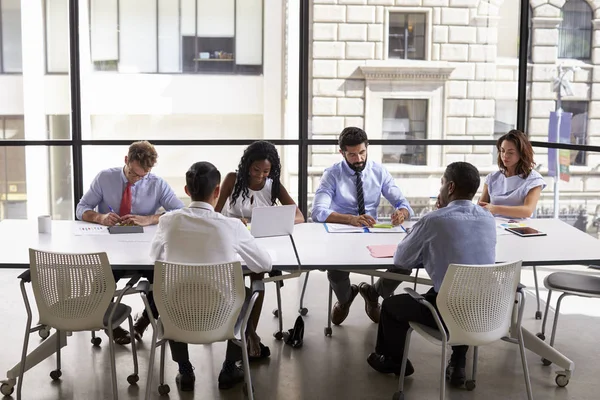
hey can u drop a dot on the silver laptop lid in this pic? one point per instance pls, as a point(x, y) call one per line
point(273, 221)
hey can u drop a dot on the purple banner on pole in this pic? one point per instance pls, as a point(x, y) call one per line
point(557, 135)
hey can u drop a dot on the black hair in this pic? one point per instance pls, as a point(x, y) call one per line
point(352, 136)
point(257, 151)
point(201, 179)
point(465, 177)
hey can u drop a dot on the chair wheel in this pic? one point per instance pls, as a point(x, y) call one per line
point(541, 336)
point(561, 380)
point(538, 315)
point(546, 362)
point(398, 396)
point(303, 311)
point(276, 313)
point(7, 389)
point(44, 332)
point(470, 385)
point(96, 341)
point(163, 389)
point(278, 335)
point(56, 374)
point(328, 331)
point(133, 379)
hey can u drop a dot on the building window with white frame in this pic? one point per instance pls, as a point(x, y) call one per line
point(11, 59)
point(579, 123)
point(575, 30)
point(404, 119)
point(407, 36)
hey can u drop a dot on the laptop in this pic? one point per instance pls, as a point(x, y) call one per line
point(273, 221)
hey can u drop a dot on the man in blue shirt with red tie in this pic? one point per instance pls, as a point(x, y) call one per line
point(129, 195)
point(349, 193)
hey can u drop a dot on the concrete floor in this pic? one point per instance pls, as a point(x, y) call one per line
point(326, 367)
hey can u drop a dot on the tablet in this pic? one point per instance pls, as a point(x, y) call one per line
point(525, 231)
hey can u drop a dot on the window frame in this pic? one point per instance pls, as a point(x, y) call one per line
point(428, 30)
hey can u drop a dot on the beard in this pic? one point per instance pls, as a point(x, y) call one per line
point(357, 166)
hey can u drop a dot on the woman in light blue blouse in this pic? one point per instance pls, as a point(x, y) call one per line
point(515, 189)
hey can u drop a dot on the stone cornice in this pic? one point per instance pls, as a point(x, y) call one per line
point(545, 22)
point(407, 70)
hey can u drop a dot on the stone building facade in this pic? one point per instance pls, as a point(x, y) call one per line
point(460, 82)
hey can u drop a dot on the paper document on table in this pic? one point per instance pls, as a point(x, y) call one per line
point(343, 228)
point(90, 230)
point(272, 254)
point(382, 250)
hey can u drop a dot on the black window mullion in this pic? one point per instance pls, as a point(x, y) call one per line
point(523, 50)
point(75, 85)
point(303, 108)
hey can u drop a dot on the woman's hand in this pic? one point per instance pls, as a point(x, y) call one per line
point(487, 206)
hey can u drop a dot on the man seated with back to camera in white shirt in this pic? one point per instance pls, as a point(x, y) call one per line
point(215, 239)
point(349, 193)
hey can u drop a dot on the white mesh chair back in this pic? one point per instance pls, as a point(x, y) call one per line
point(72, 291)
point(198, 303)
point(476, 301)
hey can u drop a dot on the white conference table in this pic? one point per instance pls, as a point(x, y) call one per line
point(316, 249)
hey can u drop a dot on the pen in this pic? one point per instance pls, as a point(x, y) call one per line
point(111, 209)
point(404, 229)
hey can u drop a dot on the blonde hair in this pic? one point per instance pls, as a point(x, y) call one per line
point(144, 153)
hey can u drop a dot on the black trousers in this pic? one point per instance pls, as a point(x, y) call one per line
point(180, 353)
point(396, 313)
point(148, 275)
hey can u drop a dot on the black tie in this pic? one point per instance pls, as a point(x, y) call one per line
point(359, 194)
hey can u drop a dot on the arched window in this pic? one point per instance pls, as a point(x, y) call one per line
point(575, 30)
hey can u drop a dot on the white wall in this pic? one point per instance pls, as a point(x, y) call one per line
point(137, 36)
point(11, 95)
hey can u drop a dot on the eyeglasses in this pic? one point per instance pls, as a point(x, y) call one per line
point(133, 174)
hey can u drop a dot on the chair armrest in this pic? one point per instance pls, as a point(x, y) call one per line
point(258, 286)
point(416, 296)
point(134, 279)
point(25, 276)
point(143, 287)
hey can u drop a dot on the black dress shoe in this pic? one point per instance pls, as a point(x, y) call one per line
point(230, 376)
point(455, 373)
point(185, 382)
point(386, 365)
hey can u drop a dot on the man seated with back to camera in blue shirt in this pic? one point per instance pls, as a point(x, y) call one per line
point(349, 193)
point(129, 195)
point(459, 232)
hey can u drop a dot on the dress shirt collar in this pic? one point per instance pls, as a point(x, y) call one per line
point(459, 203)
point(350, 172)
point(201, 204)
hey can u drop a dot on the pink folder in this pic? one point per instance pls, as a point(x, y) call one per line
point(382, 250)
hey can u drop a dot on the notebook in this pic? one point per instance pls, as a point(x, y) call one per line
point(377, 228)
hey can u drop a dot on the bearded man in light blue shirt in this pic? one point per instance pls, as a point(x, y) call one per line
point(349, 193)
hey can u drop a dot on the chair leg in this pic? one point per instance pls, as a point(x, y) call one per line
point(475, 357)
point(246, 365)
point(328, 330)
point(303, 291)
point(279, 334)
point(151, 363)
point(556, 314)
point(546, 315)
point(372, 280)
point(538, 313)
point(443, 371)
point(25, 342)
point(525, 368)
point(133, 351)
point(404, 359)
point(113, 371)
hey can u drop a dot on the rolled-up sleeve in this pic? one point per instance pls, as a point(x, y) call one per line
point(168, 199)
point(409, 253)
point(256, 258)
point(323, 198)
point(393, 194)
point(90, 199)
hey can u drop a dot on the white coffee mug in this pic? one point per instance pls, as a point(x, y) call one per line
point(44, 224)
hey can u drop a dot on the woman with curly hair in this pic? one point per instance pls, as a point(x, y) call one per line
point(256, 183)
point(515, 189)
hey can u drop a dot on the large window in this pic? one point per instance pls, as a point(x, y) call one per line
point(405, 119)
point(575, 31)
point(10, 36)
point(170, 36)
point(407, 36)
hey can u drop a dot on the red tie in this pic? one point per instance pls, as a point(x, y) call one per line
point(126, 201)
